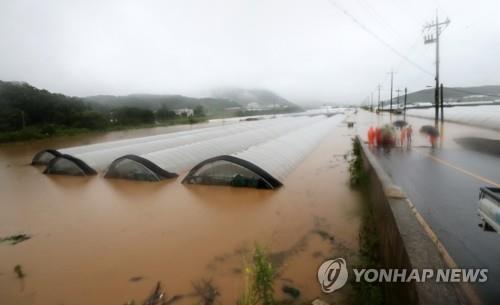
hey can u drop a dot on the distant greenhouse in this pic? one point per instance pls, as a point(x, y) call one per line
point(169, 162)
point(265, 165)
point(482, 116)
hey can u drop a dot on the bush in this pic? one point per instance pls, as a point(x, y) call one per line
point(133, 116)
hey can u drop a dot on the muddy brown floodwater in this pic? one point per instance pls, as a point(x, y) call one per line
point(100, 241)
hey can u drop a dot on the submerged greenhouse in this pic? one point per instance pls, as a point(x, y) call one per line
point(88, 159)
point(43, 157)
point(158, 165)
point(265, 165)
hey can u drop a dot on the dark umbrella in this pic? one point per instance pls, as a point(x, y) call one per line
point(399, 123)
point(429, 130)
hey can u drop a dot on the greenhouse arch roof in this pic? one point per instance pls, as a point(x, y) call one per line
point(262, 178)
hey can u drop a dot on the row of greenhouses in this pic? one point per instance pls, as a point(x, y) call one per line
point(482, 116)
point(252, 154)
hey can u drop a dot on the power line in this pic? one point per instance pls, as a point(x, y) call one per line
point(380, 19)
point(382, 41)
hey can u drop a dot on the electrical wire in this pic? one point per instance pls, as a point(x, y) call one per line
point(377, 37)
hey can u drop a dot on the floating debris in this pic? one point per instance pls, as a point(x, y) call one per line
point(19, 271)
point(325, 235)
point(136, 279)
point(15, 239)
point(319, 302)
point(157, 296)
point(292, 291)
point(206, 291)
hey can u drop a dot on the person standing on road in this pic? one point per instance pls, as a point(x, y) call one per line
point(371, 136)
point(402, 136)
point(409, 133)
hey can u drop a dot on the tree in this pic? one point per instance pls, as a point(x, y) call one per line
point(198, 111)
point(164, 114)
point(133, 116)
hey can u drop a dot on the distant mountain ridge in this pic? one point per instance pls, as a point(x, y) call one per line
point(244, 97)
point(221, 100)
point(454, 94)
point(155, 101)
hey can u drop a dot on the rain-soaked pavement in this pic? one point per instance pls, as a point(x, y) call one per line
point(443, 184)
point(100, 241)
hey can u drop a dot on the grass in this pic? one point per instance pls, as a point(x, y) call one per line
point(358, 176)
point(258, 280)
point(367, 293)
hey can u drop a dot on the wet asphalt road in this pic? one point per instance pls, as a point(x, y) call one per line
point(443, 184)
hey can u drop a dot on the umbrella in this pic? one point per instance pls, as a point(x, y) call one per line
point(399, 123)
point(429, 130)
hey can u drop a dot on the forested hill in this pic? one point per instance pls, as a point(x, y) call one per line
point(211, 106)
point(23, 105)
point(27, 112)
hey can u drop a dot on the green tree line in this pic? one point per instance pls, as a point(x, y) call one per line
point(27, 112)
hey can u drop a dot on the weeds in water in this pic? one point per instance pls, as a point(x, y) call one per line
point(258, 280)
point(206, 290)
point(18, 270)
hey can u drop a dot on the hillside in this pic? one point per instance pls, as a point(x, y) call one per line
point(244, 97)
point(455, 94)
point(224, 102)
point(27, 112)
point(212, 106)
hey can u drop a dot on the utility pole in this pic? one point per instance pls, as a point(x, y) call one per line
point(392, 84)
point(432, 31)
point(398, 91)
point(442, 104)
point(378, 107)
point(371, 101)
point(404, 109)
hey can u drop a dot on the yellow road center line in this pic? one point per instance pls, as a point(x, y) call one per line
point(467, 289)
point(468, 173)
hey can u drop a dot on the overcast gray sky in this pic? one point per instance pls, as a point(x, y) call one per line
point(305, 50)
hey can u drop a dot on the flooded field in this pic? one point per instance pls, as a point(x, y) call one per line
point(103, 241)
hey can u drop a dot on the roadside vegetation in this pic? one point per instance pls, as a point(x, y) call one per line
point(367, 293)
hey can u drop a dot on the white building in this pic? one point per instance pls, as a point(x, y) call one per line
point(184, 111)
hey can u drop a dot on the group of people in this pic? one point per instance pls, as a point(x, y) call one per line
point(387, 137)
point(405, 136)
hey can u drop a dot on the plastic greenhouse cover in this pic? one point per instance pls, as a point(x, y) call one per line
point(264, 165)
point(482, 116)
point(100, 159)
point(170, 134)
point(178, 159)
point(278, 157)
